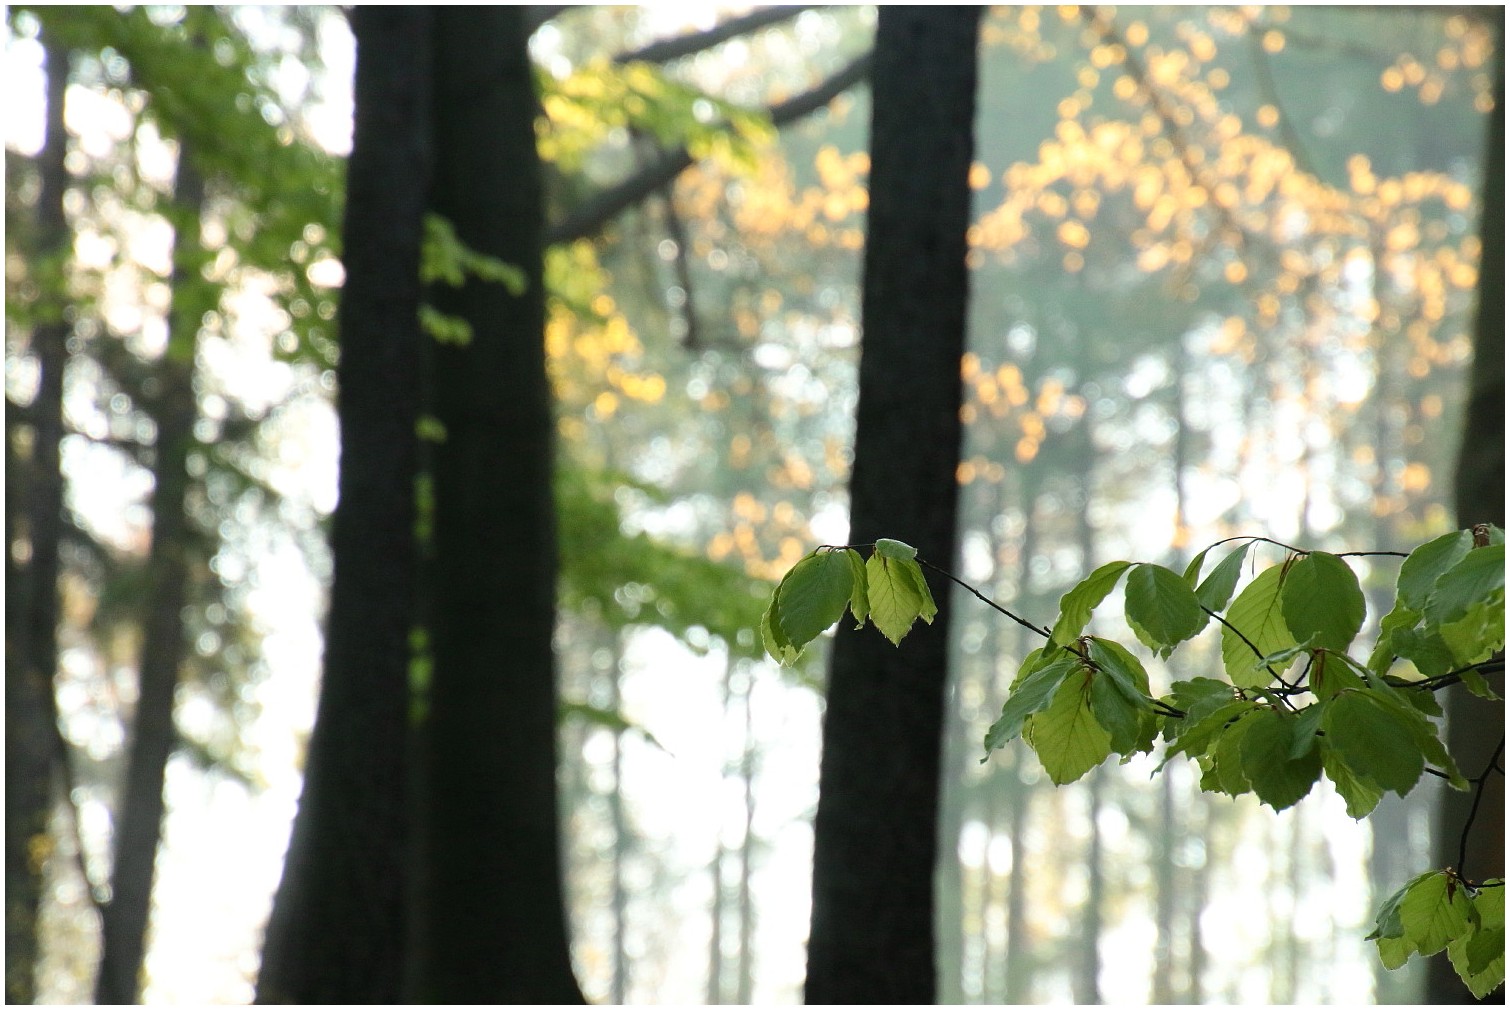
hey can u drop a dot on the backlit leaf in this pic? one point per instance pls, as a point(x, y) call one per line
point(1372, 740)
point(1076, 605)
point(1066, 736)
point(1032, 694)
point(1256, 613)
point(1162, 609)
point(893, 596)
point(1275, 777)
point(1215, 592)
point(813, 596)
point(1322, 602)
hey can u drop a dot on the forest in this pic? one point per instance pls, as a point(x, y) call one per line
point(438, 441)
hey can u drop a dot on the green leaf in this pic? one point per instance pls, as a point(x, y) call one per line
point(1372, 739)
point(1162, 609)
point(895, 550)
point(1479, 955)
point(1331, 674)
point(859, 600)
point(1198, 697)
point(1122, 720)
point(1216, 591)
point(1068, 739)
point(1032, 694)
point(1276, 777)
point(1422, 648)
point(1076, 605)
point(1256, 613)
point(1420, 571)
point(913, 573)
point(1398, 619)
point(1360, 795)
point(1197, 737)
point(1229, 773)
point(775, 640)
point(1322, 602)
point(1478, 578)
point(893, 596)
point(1126, 673)
point(1435, 912)
point(813, 596)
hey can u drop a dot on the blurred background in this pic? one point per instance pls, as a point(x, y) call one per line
point(1224, 269)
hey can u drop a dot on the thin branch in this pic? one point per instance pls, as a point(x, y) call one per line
point(1044, 632)
point(594, 213)
point(666, 50)
point(1481, 782)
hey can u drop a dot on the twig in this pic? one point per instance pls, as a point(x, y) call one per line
point(1481, 781)
point(590, 216)
point(986, 600)
point(666, 50)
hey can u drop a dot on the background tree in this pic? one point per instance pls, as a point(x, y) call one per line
point(877, 822)
point(339, 927)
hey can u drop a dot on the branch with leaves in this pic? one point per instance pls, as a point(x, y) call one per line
point(1260, 728)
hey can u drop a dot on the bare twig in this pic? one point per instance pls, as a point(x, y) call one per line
point(594, 213)
point(666, 50)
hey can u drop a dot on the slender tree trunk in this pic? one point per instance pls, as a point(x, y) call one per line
point(876, 831)
point(140, 803)
point(338, 929)
point(34, 517)
point(746, 985)
point(1476, 727)
point(492, 922)
point(619, 985)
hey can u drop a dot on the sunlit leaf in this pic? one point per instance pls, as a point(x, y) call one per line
point(1215, 592)
point(1076, 605)
point(1479, 954)
point(813, 595)
point(1256, 613)
point(1066, 736)
point(1032, 694)
point(893, 596)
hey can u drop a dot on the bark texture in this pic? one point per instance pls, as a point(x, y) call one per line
point(338, 931)
point(1476, 727)
point(876, 832)
point(492, 922)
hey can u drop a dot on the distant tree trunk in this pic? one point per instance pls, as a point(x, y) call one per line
point(492, 925)
point(338, 928)
point(746, 978)
point(1475, 727)
point(619, 985)
point(876, 831)
point(34, 517)
point(139, 803)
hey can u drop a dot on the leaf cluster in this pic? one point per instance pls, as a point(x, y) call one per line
point(1289, 704)
point(1439, 910)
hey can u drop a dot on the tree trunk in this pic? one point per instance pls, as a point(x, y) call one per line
point(140, 803)
point(492, 922)
point(34, 517)
point(339, 924)
point(1476, 727)
point(876, 831)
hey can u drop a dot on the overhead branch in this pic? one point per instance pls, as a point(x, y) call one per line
point(594, 213)
point(666, 50)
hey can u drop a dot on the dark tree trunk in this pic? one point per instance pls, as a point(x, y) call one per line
point(139, 804)
point(339, 925)
point(34, 516)
point(492, 921)
point(876, 831)
point(1476, 727)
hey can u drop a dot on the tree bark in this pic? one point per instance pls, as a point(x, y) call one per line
point(140, 802)
point(1476, 727)
point(34, 518)
point(492, 922)
point(876, 831)
point(338, 930)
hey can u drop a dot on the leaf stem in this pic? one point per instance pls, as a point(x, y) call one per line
point(1044, 632)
